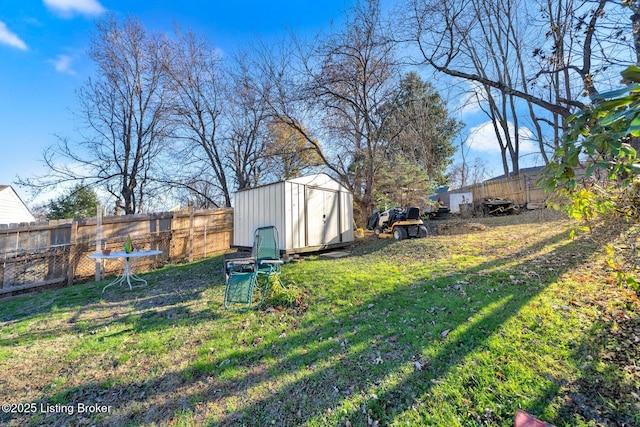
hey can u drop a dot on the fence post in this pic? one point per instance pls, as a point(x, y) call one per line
point(98, 240)
point(191, 222)
point(4, 266)
point(73, 251)
point(172, 235)
point(157, 238)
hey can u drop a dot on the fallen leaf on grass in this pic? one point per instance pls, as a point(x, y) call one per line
point(444, 333)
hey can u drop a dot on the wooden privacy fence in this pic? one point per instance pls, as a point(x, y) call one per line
point(521, 189)
point(56, 253)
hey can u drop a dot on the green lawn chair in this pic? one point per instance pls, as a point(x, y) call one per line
point(247, 279)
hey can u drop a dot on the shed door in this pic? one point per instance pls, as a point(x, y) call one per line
point(323, 217)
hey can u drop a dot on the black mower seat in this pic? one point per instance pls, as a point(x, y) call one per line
point(413, 213)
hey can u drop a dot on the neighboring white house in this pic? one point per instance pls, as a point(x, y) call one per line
point(12, 208)
point(311, 212)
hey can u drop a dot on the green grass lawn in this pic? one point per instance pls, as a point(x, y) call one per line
point(452, 330)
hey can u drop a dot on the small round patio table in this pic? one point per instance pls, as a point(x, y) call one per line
point(127, 257)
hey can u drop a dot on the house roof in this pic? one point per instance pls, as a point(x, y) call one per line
point(12, 208)
point(523, 171)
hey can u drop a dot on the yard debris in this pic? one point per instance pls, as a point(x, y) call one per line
point(378, 360)
point(496, 206)
point(460, 228)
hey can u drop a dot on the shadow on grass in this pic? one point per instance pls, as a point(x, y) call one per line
point(73, 307)
point(382, 387)
point(376, 398)
point(350, 362)
point(607, 390)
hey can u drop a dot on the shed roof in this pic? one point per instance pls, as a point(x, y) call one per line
point(320, 180)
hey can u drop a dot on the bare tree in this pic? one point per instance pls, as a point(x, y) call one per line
point(336, 93)
point(246, 120)
point(196, 191)
point(356, 78)
point(288, 153)
point(541, 54)
point(196, 79)
point(125, 110)
point(468, 173)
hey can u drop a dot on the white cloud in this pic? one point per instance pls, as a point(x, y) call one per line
point(472, 98)
point(68, 8)
point(483, 138)
point(10, 39)
point(62, 64)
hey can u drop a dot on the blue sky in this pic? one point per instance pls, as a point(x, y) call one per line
point(43, 47)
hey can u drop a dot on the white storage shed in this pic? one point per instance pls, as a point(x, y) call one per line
point(311, 212)
point(457, 199)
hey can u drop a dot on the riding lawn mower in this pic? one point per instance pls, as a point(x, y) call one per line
point(397, 223)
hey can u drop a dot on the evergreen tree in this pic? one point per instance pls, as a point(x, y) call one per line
point(420, 129)
point(79, 202)
point(421, 135)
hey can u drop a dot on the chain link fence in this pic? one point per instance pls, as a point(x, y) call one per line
point(56, 253)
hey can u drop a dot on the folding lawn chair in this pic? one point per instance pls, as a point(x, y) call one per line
point(248, 276)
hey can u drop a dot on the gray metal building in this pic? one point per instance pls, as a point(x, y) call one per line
point(311, 212)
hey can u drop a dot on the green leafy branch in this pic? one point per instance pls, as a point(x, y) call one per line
point(597, 168)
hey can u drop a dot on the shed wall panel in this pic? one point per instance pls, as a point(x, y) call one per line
point(346, 213)
point(302, 221)
point(300, 225)
point(295, 218)
point(314, 206)
point(258, 207)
